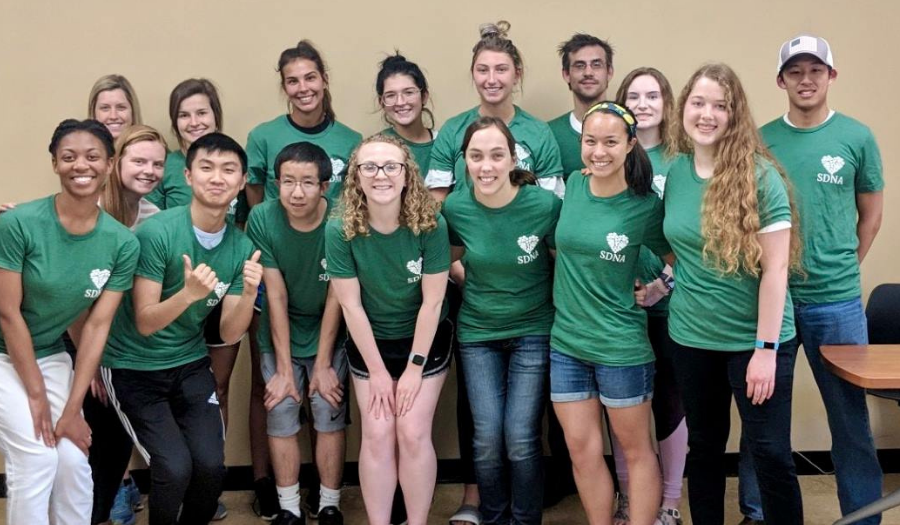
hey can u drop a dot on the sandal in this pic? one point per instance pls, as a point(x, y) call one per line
point(466, 514)
point(668, 517)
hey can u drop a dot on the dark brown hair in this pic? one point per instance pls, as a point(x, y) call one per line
point(305, 50)
point(517, 177)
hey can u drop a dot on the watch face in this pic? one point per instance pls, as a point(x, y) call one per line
point(418, 360)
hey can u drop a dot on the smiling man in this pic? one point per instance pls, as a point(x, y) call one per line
point(587, 69)
point(835, 167)
point(156, 366)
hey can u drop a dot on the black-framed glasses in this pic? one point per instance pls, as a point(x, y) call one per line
point(370, 169)
point(392, 98)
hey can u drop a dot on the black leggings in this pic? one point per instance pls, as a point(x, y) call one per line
point(110, 449)
point(668, 412)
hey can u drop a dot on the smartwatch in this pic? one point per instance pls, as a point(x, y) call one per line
point(667, 280)
point(766, 345)
point(417, 359)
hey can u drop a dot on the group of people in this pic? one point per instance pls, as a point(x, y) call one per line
point(644, 256)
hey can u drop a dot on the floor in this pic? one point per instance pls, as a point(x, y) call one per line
point(819, 502)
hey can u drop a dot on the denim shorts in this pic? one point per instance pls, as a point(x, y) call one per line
point(572, 379)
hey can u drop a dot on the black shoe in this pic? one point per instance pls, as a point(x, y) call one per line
point(286, 517)
point(312, 504)
point(331, 515)
point(266, 503)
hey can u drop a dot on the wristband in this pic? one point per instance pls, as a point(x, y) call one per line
point(667, 280)
point(767, 345)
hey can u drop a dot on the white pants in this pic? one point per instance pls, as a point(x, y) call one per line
point(44, 485)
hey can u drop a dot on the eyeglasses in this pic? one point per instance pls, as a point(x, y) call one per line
point(392, 98)
point(581, 66)
point(370, 169)
point(305, 185)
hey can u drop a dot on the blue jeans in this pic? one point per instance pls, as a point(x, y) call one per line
point(505, 381)
point(857, 472)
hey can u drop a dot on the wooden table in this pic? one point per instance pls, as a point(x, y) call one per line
point(875, 367)
point(869, 366)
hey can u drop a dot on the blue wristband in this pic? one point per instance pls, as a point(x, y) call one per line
point(767, 345)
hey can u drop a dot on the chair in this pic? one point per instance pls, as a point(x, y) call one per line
point(883, 314)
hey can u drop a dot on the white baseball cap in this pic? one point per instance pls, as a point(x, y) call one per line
point(805, 45)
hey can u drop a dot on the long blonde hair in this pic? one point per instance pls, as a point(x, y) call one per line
point(114, 202)
point(418, 209)
point(730, 213)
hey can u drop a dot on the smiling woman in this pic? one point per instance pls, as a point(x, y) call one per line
point(114, 103)
point(42, 431)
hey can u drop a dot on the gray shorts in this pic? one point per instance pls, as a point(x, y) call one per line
point(284, 420)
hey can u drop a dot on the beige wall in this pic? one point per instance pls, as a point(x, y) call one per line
point(51, 53)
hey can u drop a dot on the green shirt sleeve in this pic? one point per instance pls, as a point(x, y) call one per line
point(256, 160)
point(246, 248)
point(550, 238)
point(653, 232)
point(442, 162)
point(154, 250)
point(772, 198)
point(122, 277)
point(436, 249)
point(256, 231)
point(549, 160)
point(337, 252)
point(870, 176)
point(12, 243)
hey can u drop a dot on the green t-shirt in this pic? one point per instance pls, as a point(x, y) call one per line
point(598, 240)
point(827, 165)
point(569, 140)
point(174, 191)
point(421, 151)
point(164, 238)
point(650, 264)
point(509, 285)
point(62, 274)
point(300, 257)
point(267, 140)
point(536, 149)
point(389, 269)
point(709, 310)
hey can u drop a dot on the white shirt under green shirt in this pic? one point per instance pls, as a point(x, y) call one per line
point(509, 280)
point(390, 269)
point(164, 238)
point(709, 310)
point(300, 257)
point(598, 241)
point(828, 165)
point(62, 274)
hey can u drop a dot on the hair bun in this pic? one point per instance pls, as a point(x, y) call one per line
point(500, 29)
point(394, 59)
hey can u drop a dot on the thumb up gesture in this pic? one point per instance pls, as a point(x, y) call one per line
point(253, 273)
point(199, 281)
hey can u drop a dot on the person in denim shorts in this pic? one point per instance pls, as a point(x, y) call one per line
point(600, 352)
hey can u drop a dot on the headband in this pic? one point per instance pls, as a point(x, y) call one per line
point(615, 109)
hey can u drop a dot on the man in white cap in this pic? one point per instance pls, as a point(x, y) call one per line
point(835, 167)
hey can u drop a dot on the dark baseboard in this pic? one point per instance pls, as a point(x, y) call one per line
point(450, 470)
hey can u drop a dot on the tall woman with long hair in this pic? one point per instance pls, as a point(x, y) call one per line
point(731, 225)
point(388, 258)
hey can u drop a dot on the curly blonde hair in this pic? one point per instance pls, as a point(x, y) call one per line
point(114, 202)
point(730, 212)
point(418, 209)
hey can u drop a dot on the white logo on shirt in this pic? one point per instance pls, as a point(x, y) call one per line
point(527, 243)
point(659, 185)
point(213, 400)
point(616, 243)
point(415, 267)
point(323, 276)
point(337, 167)
point(220, 290)
point(522, 154)
point(232, 208)
point(99, 278)
point(832, 165)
